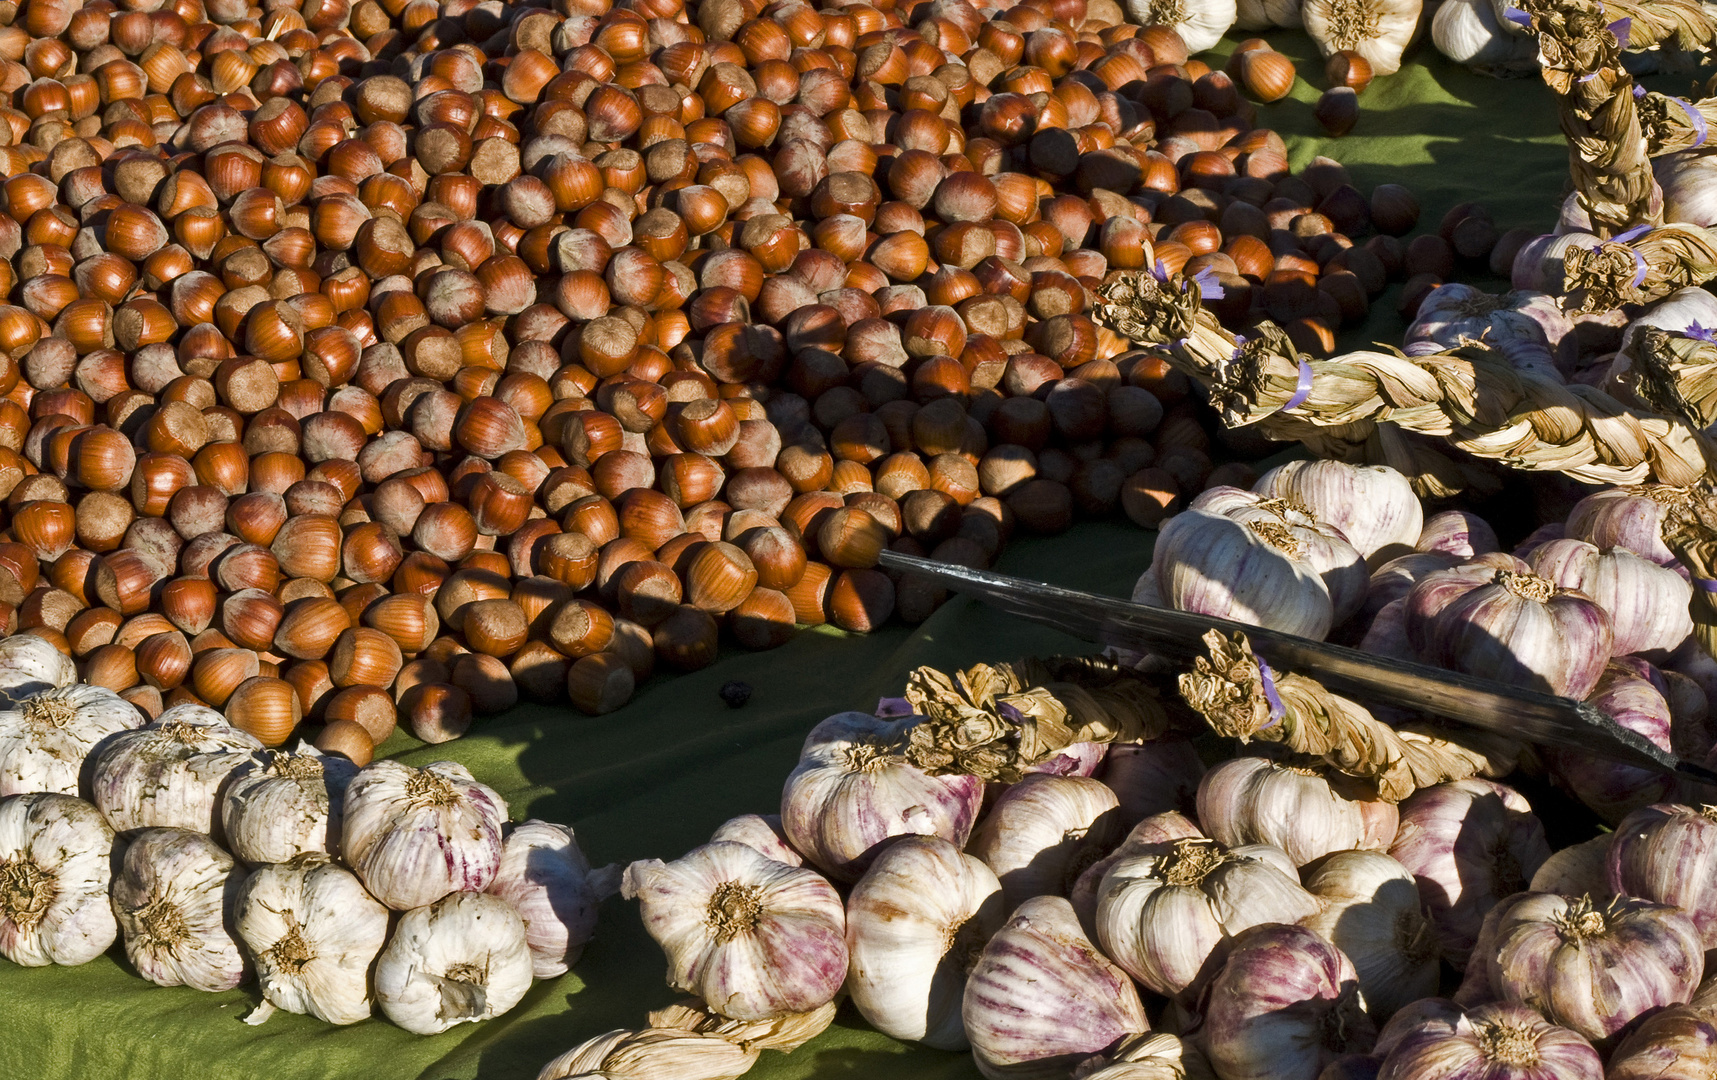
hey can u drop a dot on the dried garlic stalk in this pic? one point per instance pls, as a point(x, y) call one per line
point(1675, 374)
point(1638, 270)
point(1690, 530)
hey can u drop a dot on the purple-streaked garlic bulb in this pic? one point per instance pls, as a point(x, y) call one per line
point(1326, 547)
point(1514, 324)
point(1164, 828)
point(1285, 1004)
point(754, 938)
point(1387, 634)
point(547, 879)
point(1577, 870)
point(854, 788)
point(1370, 911)
point(1042, 998)
point(1468, 843)
point(1679, 312)
point(1646, 603)
point(174, 895)
point(762, 833)
point(916, 923)
point(1253, 800)
point(1075, 759)
point(1511, 625)
point(1459, 533)
point(170, 773)
point(1612, 788)
point(1493, 1042)
point(1690, 731)
point(1667, 854)
point(55, 871)
point(46, 738)
point(1429, 1012)
point(1152, 777)
point(1675, 1044)
point(1162, 913)
point(1392, 581)
point(415, 835)
point(1373, 506)
point(1476, 987)
point(1594, 967)
point(1044, 831)
point(1539, 265)
point(1630, 517)
point(1538, 537)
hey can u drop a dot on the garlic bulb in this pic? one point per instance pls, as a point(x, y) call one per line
point(1042, 998)
point(1526, 327)
point(30, 665)
point(1686, 179)
point(547, 879)
point(1326, 549)
point(416, 835)
point(170, 773)
point(1285, 1004)
point(853, 788)
point(1152, 777)
point(1253, 800)
point(1493, 1042)
point(1595, 968)
point(1612, 788)
point(1630, 518)
point(915, 924)
point(1394, 579)
point(456, 961)
point(1468, 843)
point(1675, 1044)
point(753, 937)
point(55, 869)
point(1200, 23)
point(1162, 913)
point(1456, 532)
point(1511, 625)
point(1476, 987)
point(313, 933)
point(1469, 32)
point(46, 738)
point(1371, 912)
point(1378, 30)
point(1164, 828)
point(1373, 506)
point(1577, 870)
point(653, 1054)
point(1074, 759)
point(1667, 854)
point(290, 804)
point(762, 833)
point(1044, 831)
point(173, 895)
point(1646, 603)
point(1387, 634)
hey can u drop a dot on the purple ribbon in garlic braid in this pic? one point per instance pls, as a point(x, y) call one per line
point(1268, 679)
point(1696, 118)
point(1302, 389)
point(1707, 584)
point(1624, 239)
point(1518, 17)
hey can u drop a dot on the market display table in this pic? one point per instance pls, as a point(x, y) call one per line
point(655, 778)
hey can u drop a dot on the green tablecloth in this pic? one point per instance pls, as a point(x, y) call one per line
point(654, 779)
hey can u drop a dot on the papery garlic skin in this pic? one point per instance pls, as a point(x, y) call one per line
point(1200, 23)
point(547, 879)
point(291, 804)
point(1540, 264)
point(170, 773)
point(1387, 634)
point(1152, 777)
point(1253, 800)
point(1614, 789)
point(47, 737)
point(1372, 505)
point(1468, 844)
point(1646, 603)
point(1524, 326)
point(1213, 564)
point(1470, 32)
point(762, 833)
point(653, 1054)
point(1378, 30)
point(1042, 998)
point(1678, 312)
point(55, 871)
point(1043, 831)
point(174, 897)
point(30, 665)
point(1675, 1044)
point(1459, 533)
point(1493, 1042)
point(459, 960)
point(416, 835)
point(1577, 870)
point(1148, 1056)
point(1163, 828)
point(1395, 578)
point(1371, 912)
point(313, 933)
point(1162, 913)
point(1630, 518)
point(1667, 853)
point(754, 938)
point(1594, 968)
point(853, 789)
point(1321, 545)
point(916, 922)
point(1285, 1004)
point(1686, 179)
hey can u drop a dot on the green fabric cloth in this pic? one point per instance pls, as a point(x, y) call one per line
point(654, 779)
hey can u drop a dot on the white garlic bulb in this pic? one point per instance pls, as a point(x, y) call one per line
point(1378, 30)
point(1253, 800)
point(55, 869)
point(853, 789)
point(1042, 998)
point(416, 835)
point(1250, 568)
point(174, 897)
point(170, 773)
point(1688, 195)
point(1162, 913)
point(1469, 32)
point(546, 877)
point(753, 937)
point(1372, 505)
point(313, 932)
point(289, 804)
point(1370, 911)
point(1200, 23)
point(46, 738)
point(654, 1054)
point(456, 961)
point(916, 922)
point(31, 664)
point(1322, 545)
point(1044, 831)
point(761, 832)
